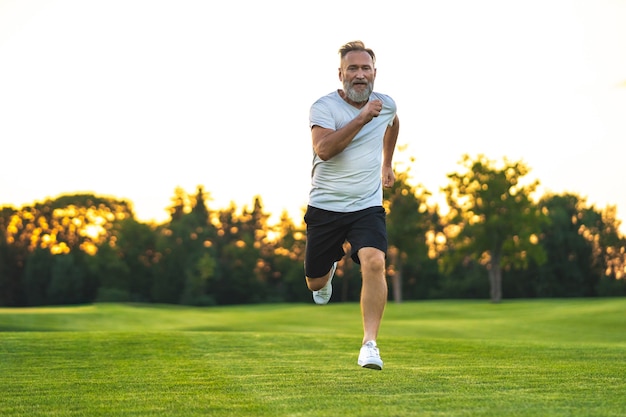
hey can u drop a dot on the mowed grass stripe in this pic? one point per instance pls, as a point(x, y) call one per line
point(520, 358)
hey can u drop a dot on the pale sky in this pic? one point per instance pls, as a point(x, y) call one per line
point(133, 98)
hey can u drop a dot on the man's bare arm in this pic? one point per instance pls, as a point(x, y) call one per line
point(328, 142)
point(389, 146)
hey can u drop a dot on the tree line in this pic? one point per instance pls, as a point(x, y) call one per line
point(492, 240)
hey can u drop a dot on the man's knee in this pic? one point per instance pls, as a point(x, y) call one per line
point(372, 260)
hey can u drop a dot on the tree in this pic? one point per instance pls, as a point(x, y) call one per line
point(183, 248)
point(613, 249)
point(243, 272)
point(70, 224)
point(134, 243)
point(497, 222)
point(586, 254)
point(608, 264)
point(37, 277)
point(201, 261)
point(288, 261)
point(67, 281)
point(409, 221)
point(13, 255)
point(569, 254)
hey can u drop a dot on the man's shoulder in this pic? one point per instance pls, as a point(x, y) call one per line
point(330, 97)
point(382, 96)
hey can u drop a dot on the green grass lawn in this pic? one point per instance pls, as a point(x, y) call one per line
point(442, 358)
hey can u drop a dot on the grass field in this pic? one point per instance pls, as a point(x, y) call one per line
point(442, 358)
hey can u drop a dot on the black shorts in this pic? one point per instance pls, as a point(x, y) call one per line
point(328, 230)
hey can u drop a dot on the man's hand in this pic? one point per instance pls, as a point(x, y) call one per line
point(389, 178)
point(371, 109)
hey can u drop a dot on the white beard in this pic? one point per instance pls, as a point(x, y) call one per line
point(355, 95)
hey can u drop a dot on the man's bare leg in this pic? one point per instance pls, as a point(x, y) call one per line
point(373, 291)
point(316, 284)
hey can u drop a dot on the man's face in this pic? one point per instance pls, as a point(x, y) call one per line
point(357, 73)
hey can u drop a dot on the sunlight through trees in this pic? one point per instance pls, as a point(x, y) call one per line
point(496, 239)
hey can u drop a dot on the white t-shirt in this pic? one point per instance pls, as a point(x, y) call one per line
point(351, 180)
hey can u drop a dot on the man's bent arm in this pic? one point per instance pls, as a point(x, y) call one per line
point(389, 145)
point(389, 141)
point(328, 143)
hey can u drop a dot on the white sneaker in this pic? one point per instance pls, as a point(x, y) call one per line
point(323, 296)
point(369, 357)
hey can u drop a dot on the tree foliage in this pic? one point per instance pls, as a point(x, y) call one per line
point(85, 248)
point(495, 220)
point(411, 225)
